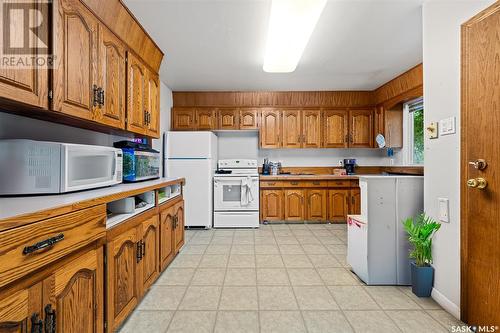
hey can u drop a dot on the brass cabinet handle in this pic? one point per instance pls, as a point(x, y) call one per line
point(43, 244)
point(316, 183)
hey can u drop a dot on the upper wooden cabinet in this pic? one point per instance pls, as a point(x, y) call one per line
point(361, 128)
point(183, 119)
point(390, 124)
point(311, 129)
point(249, 119)
point(206, 119)
point(270, 129)
point(229, 119)
point(153, 104)
point(292, 129)
point(335, 128)
point(136, 95)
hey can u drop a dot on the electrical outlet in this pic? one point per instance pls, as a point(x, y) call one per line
point(444, 210)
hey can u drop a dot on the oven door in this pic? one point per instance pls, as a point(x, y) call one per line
point(236, 193)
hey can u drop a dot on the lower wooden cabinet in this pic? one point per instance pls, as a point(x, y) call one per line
point(338, 204)
point(178, 226)
point(271, 205)
point(294, 205)
point(150, 246)
point(355, 205)
point(316, 205)
point(21, 311)
point(167, 246)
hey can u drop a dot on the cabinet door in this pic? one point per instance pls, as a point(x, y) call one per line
point(316, 205)
point(179, 226)
point(123, 286)
point(335, 128)
point(153, 104)
point(229, 119)
point(355, 204)
point(19, 83)
point(150, 252)
point(136, 95)
point(292, 129)
point(311, 129)
point(167, 249)
point(73, 295)
point(21, 311)
point(338, 205)
point(270, 129)
point(272, 208)
point(75, 73)
point(361, 128)
point(206, 119)
point(112, 79)
point(249, 119)
point(183, 119)
point(294, 205)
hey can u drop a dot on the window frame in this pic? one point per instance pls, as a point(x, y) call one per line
point(408, 117)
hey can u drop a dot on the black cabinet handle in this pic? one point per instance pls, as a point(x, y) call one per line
point(95, 91)
point(43, 244)
point(36, 323)
point(50, 319)
point(143, 248)
point(139, 251)
point(101, 97)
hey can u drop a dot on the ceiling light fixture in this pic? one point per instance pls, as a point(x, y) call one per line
point(290, 26)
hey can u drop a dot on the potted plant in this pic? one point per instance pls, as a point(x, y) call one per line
point(420, 232)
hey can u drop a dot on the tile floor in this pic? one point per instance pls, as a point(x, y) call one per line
point(279, 278)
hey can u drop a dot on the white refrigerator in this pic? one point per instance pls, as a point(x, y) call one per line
point(377, 244)
point(193, 155)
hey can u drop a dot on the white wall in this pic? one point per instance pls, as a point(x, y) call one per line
point(441, 47)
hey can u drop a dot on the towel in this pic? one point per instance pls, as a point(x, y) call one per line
point(246, 191)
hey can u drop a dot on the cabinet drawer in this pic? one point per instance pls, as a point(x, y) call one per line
point(33, 246)
point(306, 183)
point(339, 183)
point(271, 184)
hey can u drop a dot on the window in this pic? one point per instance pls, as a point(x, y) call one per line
point(414, 112)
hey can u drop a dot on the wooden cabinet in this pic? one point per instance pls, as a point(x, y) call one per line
point(291, 124)
point(355, 204)
point(338, 204)
point(316, 207)
point(272, 208)
point(153, 104)
point(178, 226)
point(136, 95)
point(150, 246)
point(229, 119)
point(21, 311)
point(183, 119)
point(167, 246)
point(301, 128)
point(361, 128)
point(270, 129)
point(311, 129)
point(206, 119)
point(390, 124)
point(335, 128)
point(294, 205)
point(249, 119)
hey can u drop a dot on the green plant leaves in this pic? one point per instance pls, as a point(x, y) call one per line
point(420, 232)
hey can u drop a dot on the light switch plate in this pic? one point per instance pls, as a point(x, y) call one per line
point(432, 130)
point(444, 210)
point(447, 126)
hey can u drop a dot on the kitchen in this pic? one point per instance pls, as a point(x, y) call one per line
point(191, 166)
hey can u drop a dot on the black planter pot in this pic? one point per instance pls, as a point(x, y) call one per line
point(422, 279)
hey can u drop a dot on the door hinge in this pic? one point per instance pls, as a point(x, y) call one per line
point(51, 94)
point(105, 325)
point(105, 259)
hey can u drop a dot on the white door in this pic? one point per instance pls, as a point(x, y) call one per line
point(228, 193)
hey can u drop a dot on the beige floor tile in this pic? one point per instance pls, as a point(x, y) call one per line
point(237, 322)
point(242, 240)
point(266, 249)
point(269, 260)
point(276, 298)
point(304, 240)
point(337, 248)
point(186, 261)
point(242, 260)
point(302, 232)
point(371, 322)
point(415, 321)
point(321, 233)
point(192, 321)
point(238, 298)
point(213, 261)
point(162, 298)
point(218, 249)
point(330, 240)
point(426, 303)
point(291, 249)
point(147, 321)
point(194, 249)
point(324, 260)
point(296, 261)
point(265, 241)
point(240, 277)
point(272, 276)
point(280, 227)
point(445, 318)
point(200, 241)
point(353, 298)
point(201, 298)
point(337, 277)
point(281, 322)
point(175, 277)
point(391, 298)
point(326, 321)
point(304, 277)
point(209, 277)
point(222, 240)
point(314, 249)
point(243, 249)
point(283, 233)
point(224, 232)
point(314, 298)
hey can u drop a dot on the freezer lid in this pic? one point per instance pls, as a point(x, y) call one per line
point(191, 145)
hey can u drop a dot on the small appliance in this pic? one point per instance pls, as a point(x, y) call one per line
point(350, 166)
point(41, 167)
point(140, 162)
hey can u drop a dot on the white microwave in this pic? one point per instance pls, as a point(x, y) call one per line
point(39, 167)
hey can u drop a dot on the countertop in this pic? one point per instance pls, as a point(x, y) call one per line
point(307, 177)
point(15, 211)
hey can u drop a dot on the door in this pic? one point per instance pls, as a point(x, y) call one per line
point(311, 129)
point(183, 119)
point(206, 119)
point(292, 129)
point(149, 247)
point(123, 286)
point(361, 128)
point(355, 202)
point(229, 119)
point(316, 205)
point(167, 250)
point(75, 78)
point(480, 214)
point(28, 85)
point(249, 119)
point(111, 110)
point(335, 128)
point(338, 204)
point(21, 311)
point(153, 104)
point(73, 295)
point(270, 129)
point(272, 208)
point(294, 205)
point(178, 226)
point(136, 95)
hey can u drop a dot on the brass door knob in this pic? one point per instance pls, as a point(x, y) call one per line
point(479, 183)
point(479, 164)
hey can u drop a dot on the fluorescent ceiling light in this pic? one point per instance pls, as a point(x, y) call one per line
point(290, 25)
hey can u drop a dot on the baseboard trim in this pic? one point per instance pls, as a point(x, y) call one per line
point(448, 305)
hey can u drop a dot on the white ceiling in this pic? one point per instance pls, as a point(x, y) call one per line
point(219, 44)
